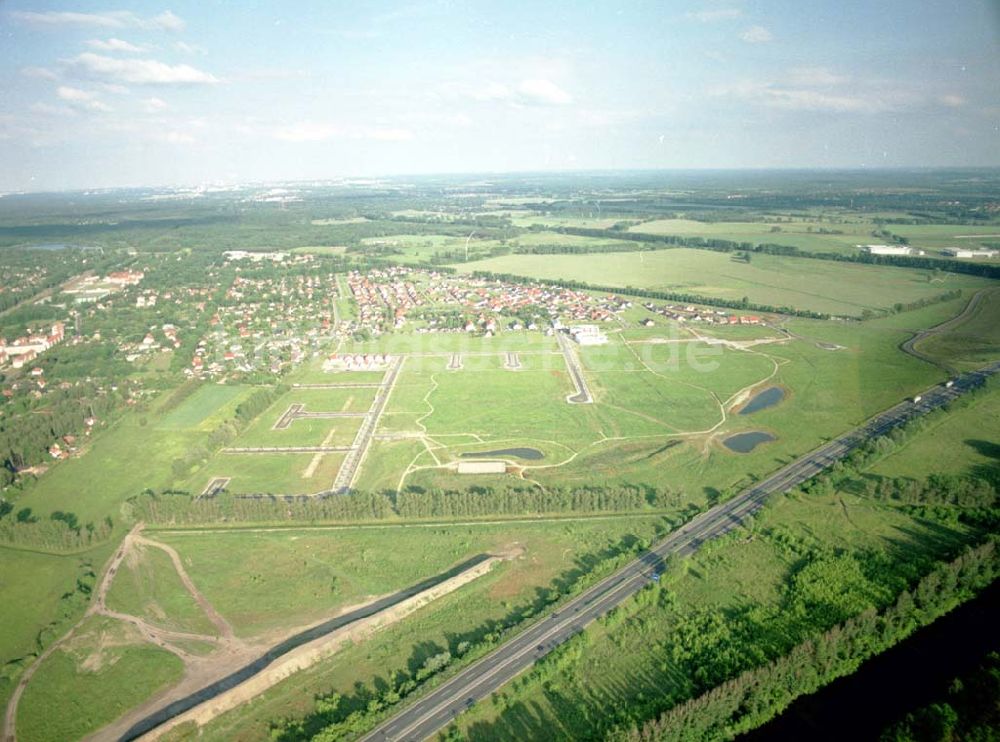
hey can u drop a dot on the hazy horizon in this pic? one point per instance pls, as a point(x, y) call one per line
point(95, 96)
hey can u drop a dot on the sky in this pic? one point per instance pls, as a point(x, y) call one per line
point(97, 94)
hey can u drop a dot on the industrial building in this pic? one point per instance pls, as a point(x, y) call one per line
point(588, 335)
point(890, 250)
point(964, 252)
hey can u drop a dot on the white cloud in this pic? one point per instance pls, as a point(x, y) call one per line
point(152, 105)
point(83, 99)
point(814, 77)
point(141, 71)
point(178, 137)
point(113, 45)
point(185, 48)
point(756, 35)
point(777, 96)
point(952, 100)
point(534, 92)
point(542, 92)
point(306, 131)
point(711, 16)
point(165, 21)
point(41, 73)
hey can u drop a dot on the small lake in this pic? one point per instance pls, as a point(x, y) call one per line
point(762, 400)
point(747, 442)
point(531, 454)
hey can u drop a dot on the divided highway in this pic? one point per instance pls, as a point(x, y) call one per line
point(435, 710)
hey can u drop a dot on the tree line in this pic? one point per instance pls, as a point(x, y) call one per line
point(177, 507)
point(755, 696)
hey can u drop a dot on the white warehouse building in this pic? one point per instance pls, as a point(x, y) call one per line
point(890, 250)
point(588, 335)
point(964, 252)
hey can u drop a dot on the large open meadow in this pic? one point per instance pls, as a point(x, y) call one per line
point(844, 289)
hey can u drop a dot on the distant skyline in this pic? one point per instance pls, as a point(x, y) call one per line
point(96, 95)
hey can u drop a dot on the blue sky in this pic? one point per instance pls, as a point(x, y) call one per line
point(96, 95)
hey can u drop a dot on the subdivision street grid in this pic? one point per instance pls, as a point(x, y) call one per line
point(438, 708)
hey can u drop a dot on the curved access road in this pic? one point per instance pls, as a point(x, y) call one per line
point(435, 710)
point(970, 308)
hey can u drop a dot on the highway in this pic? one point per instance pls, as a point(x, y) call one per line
point(436, 709)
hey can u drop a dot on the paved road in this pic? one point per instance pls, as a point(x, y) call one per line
point(582, 395)
point(352, 462)
point(970, 308)
point(435, 710)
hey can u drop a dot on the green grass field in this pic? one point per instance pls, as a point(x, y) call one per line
point(204, 410)
point(147, 586)
point(822, 286)
point(95, 678)
point(269, 473)
point(973, 342)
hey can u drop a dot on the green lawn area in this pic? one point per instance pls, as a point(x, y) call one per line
point(964, 441)
point(100, 674)
point(94, 485)
point(822, 286)
point(204, 410)
point(147, 585)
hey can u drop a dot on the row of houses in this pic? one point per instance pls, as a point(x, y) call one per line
point(691, 313)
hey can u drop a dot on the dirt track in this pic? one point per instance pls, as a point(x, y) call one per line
point(316, 650)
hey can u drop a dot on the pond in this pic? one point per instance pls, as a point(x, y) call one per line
point(531, 454)
point(747, 442)
point(762, 400)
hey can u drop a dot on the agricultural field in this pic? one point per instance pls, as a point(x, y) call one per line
point(821, 286)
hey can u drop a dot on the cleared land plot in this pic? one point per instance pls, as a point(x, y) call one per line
point(309, 431)
point(104, 670)
point(271, 473)
point(822, 286)
point(147, 585)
